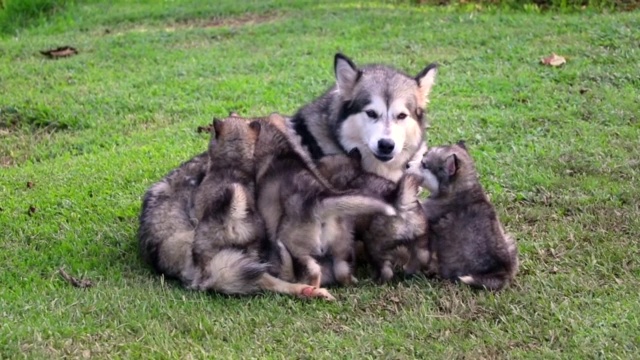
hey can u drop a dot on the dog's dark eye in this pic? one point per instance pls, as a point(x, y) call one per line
point(402, 116)
point(372, 114)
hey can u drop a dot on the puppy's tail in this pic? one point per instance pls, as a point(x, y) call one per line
point(353, 205)
point(512, 250)
point(493, 282)
point(408, 188)
point(238, 202)
point(231, 271)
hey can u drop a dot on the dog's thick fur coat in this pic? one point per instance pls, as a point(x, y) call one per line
point(311, 220)
point(200, 224)
point(376, 109)
point(465, 234)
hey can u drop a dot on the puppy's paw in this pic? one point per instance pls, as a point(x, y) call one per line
point(314, 292)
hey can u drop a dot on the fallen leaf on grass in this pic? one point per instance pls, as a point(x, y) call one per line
point(30, 184)
point(202, 129)
point(32, 210)
point(84, 283)
point(62, 51)
point(553, 60)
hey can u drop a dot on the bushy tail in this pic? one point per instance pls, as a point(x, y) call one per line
point(512, 248)
point(494, 282)
point(408, 188)
point(239, 203)
point(353, 205)
point(231, 271)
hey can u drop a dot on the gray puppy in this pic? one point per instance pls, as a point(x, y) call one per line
point(309, 216)
point(465, 233)
point(199, 224)
point(388, 240)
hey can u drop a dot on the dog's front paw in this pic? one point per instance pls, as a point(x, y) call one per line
point(315, 292)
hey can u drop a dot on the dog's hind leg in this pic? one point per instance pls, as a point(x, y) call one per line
point(270, 283)
point(419, 256)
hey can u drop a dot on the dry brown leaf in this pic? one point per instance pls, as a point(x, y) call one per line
point(206, 129)
point(554, 60)
point(62, 51)
point(84, 283)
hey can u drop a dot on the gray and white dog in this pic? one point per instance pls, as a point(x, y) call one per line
point(375, 108)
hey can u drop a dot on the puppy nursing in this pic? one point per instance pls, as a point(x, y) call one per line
point(311, 220)
point(256, 213)
point(383, 235)
point(467, 239)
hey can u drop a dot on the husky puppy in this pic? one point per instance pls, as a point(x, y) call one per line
point(225, 209)
point(376, 109)
point(383, 236)
point(308, 216)
point(203, 228)
point(465, 233)
point(166, 223)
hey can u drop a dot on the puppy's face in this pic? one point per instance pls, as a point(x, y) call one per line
point(441, 166)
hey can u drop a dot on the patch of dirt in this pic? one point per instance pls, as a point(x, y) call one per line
point(215, 22)
point(236, 21)
point(6, 161)
point(12, 118)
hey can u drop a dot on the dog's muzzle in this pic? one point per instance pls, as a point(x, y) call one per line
point(385, 149)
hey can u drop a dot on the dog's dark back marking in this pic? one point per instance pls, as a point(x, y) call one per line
point(308, 140)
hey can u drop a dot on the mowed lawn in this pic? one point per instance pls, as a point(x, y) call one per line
point(558, 149)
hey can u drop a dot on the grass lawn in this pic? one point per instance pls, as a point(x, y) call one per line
point(557, 148)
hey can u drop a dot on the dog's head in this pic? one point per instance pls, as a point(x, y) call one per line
point(234, 140)
point(382, 109)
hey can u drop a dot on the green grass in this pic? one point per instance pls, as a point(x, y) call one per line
point(557, 148)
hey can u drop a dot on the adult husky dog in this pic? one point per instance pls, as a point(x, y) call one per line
point(375, 108)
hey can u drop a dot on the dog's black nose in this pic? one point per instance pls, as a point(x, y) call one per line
point(385, 146)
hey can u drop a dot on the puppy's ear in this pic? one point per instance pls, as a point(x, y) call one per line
point(426, 78)
point(451, 165)
point(355, 154)
point(462, 144)
point(217, 128)
point(255, 127)
point(347, 74)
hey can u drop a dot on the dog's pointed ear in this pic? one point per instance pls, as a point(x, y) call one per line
point(355, 154)
point(347, 74)
point(217, 128)
point(255, 127)
point(462, 144)
point(451, 165)
point(426, 78)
